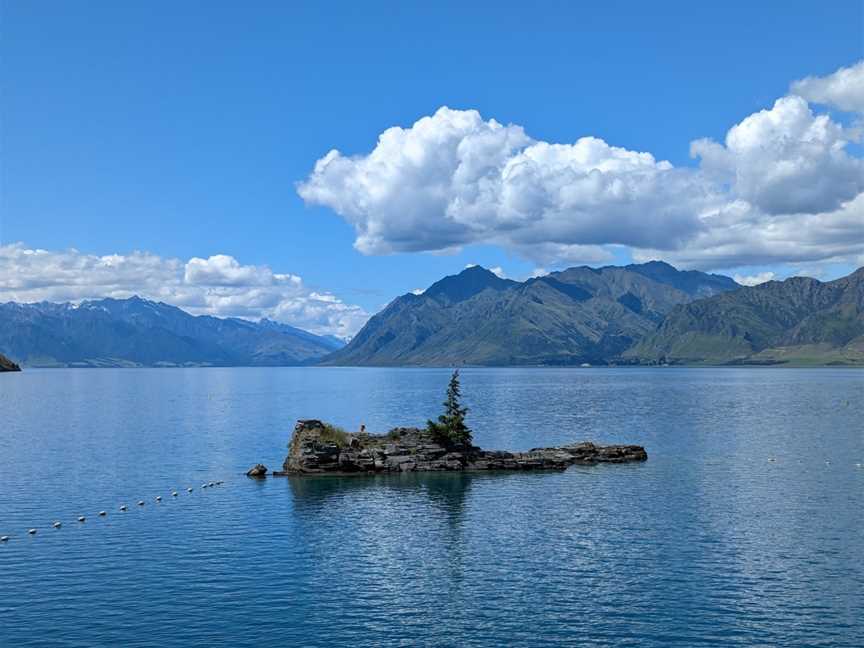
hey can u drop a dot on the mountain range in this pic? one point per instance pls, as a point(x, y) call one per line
point(647, 313)
point(799, 320)
point(138, 332)
point(579, 315)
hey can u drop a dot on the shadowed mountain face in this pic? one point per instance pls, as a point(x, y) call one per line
point(137, 332)
point(694, 283)
point(799, 320)
point(570, 317)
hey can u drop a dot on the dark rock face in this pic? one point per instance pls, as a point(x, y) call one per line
point(7, 365)
point(258, 470)
point(413, 450)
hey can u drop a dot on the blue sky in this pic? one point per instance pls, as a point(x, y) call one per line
point(182, 129)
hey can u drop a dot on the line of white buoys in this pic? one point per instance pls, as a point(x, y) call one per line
point(57, 524)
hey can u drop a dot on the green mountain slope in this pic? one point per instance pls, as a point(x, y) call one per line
point(570, 317)
point(800, 321)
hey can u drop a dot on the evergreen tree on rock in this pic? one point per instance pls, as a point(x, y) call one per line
point(450, 428)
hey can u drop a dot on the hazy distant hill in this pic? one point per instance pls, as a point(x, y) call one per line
point(7, 365)
point(570, 317)
point(799, 320)
point(137, 332)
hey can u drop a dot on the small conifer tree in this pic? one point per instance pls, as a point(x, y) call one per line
point(450, 428)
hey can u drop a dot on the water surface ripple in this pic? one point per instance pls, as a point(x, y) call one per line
point(708, 543)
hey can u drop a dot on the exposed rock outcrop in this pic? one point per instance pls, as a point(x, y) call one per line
point(314, 448)
point(7, 365)
point(258, 470)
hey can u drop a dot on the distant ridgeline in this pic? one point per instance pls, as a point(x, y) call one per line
point(137, 332)
point(637, 314)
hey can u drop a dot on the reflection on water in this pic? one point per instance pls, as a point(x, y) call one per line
point(445, 492)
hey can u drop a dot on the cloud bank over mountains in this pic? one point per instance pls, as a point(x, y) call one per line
point(782, 187)
point(218, 285)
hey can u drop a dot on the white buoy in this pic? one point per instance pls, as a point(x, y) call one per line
point(122, 507)
point(103, 513)
point(32, 531)
point(57, 525)
point(4, 538)
point(81, 518)
point(140, 502)
point(158, 498)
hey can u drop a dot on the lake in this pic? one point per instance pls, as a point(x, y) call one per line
point(706, 543)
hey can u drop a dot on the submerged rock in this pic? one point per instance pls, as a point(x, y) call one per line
point(314, 448)
point(258, 470)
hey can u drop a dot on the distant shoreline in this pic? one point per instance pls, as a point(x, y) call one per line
point(775, 365)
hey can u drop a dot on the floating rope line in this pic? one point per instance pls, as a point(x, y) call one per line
point(57, 524)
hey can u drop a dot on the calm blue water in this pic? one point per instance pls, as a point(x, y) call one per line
point(708, 543)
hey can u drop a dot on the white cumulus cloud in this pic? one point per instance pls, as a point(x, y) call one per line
point(218, 285)
point(754, 280)
point(844, 89)
point(786, 160)
point(782, 182)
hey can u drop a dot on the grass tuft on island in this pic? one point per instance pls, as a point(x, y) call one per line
point(335, 435)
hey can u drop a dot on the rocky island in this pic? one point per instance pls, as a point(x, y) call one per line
point(445, 445)
point(319, 448)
